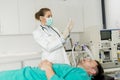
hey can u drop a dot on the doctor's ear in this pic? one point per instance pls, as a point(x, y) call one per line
point(42, 18)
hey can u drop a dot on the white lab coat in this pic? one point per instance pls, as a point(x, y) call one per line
point(51, 45)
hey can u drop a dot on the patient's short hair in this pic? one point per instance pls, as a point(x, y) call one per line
point(100, 72)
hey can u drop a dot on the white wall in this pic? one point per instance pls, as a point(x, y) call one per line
point(18, 44)
point(112, 14)
point(92, 19)
point(92, 13)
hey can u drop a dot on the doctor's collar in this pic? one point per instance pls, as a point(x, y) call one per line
point(44, 27)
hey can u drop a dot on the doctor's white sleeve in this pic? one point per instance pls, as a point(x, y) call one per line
point(48, 43)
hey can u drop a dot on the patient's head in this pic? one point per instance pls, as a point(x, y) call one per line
point(93, 67)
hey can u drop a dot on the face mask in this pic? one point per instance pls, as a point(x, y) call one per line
point(49, 21)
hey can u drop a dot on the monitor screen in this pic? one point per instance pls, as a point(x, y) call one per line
point(105, 34)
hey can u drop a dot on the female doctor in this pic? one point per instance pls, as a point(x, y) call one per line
point(49, 38)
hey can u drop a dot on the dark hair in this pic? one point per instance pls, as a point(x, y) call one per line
point(100, 73)
point(41, 12)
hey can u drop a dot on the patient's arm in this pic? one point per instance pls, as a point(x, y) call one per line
point(47, 66)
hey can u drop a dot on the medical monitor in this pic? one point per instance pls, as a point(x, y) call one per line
point(105, 35)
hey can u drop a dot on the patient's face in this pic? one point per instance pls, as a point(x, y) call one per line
point(90, 66)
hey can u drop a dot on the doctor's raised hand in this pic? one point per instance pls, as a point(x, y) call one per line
point(49, 38)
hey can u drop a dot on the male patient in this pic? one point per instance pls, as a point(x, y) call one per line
point(49, 71)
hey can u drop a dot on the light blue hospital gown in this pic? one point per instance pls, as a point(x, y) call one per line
point(62, 72)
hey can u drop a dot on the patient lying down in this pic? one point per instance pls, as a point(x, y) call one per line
point(48, 71)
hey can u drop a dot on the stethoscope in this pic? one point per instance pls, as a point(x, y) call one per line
point(43, 28)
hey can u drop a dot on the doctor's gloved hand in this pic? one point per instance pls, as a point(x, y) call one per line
point(47, 67)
